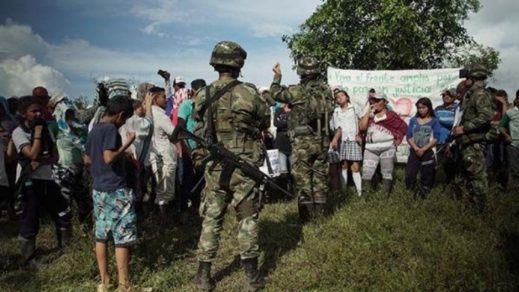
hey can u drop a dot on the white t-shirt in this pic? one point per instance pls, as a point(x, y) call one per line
point(378, 138)
point(20, 140)
point(141, 127)
point(347, 120)
point(162, 130)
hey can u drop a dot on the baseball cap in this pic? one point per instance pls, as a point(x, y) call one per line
point(179, 79)
point(379, 96)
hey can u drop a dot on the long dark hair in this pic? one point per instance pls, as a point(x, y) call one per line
point(427, 102)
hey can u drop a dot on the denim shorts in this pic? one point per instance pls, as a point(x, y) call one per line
point(115, 214)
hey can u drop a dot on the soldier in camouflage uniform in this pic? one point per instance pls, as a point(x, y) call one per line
point(233, 114)
point(477, 113)
point(311, 104)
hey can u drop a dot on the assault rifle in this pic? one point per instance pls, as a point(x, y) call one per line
point(218, 153)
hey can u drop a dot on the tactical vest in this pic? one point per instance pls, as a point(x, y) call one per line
point(471, 109)
point(311, 108)
point(236, 133)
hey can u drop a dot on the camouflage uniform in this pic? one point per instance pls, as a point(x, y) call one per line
point(307, 129)
point(238, 118)
point(477, 114)
point(235, 120)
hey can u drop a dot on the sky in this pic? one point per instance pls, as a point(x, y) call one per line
point(66, 45)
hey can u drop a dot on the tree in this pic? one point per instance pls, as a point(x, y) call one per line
point(385, 34)
point(477, 54)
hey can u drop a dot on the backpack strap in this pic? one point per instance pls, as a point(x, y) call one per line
point(210, 135)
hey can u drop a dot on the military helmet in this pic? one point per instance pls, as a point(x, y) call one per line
point(478, 71)
point(228, 54)
point(308, 65)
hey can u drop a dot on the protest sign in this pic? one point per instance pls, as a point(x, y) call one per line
point(403, 88)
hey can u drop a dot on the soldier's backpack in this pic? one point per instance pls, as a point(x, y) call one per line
point(311, 109)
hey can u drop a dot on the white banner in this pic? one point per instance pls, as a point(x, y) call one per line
point(403, 88)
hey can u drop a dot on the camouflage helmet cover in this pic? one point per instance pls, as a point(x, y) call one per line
point(478, 71)
point(308, 65)
point(228, 53)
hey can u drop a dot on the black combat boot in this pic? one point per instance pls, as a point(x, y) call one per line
point(305, 208)
point(388, 186)
point(163, 215)
point(254, 281)
point(203, 280)
point(319, 210)
point(28, 249)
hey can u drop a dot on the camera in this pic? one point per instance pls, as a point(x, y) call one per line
point(164, 74)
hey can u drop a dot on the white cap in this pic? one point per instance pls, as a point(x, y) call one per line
point(56, 98)
point(179, 79)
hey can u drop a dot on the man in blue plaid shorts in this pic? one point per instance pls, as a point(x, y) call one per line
point(345, 123)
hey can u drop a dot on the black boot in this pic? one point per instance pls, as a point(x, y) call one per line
point(163, 215)
point(203, 280)
point(28, 249)
point(305, 208)
point(388, 186)
point(319, 210)
point(254, 281)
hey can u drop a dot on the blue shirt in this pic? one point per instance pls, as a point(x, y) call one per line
point(446, 116)
point(422, 134)
point(106, 178)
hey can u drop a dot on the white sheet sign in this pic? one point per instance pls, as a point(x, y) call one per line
point(403, 88)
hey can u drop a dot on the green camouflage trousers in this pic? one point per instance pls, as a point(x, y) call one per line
point(214, 205)
point(310, 169)
point(473, 171)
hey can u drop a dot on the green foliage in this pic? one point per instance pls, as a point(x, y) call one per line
point(477, 54)
point(379, 244)
point(384, 34)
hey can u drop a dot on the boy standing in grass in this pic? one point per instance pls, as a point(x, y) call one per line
point(113, 203)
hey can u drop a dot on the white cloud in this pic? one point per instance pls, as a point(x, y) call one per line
point(19, 76)
point(85, 62)
point(496, 26)
point(267, 18)
point(21, 67)
point(20, 40)
point(158, 13)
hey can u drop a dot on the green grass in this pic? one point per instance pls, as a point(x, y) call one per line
point(379, 244)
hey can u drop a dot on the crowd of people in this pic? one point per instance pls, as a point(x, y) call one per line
point(119, 159)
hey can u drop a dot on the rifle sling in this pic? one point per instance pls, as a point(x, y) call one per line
point(227, 170)
point(225, 175)
point(209, 101)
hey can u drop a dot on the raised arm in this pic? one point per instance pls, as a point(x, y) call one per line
point(278, 92)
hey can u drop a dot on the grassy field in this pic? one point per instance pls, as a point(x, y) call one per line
point(379, 244)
